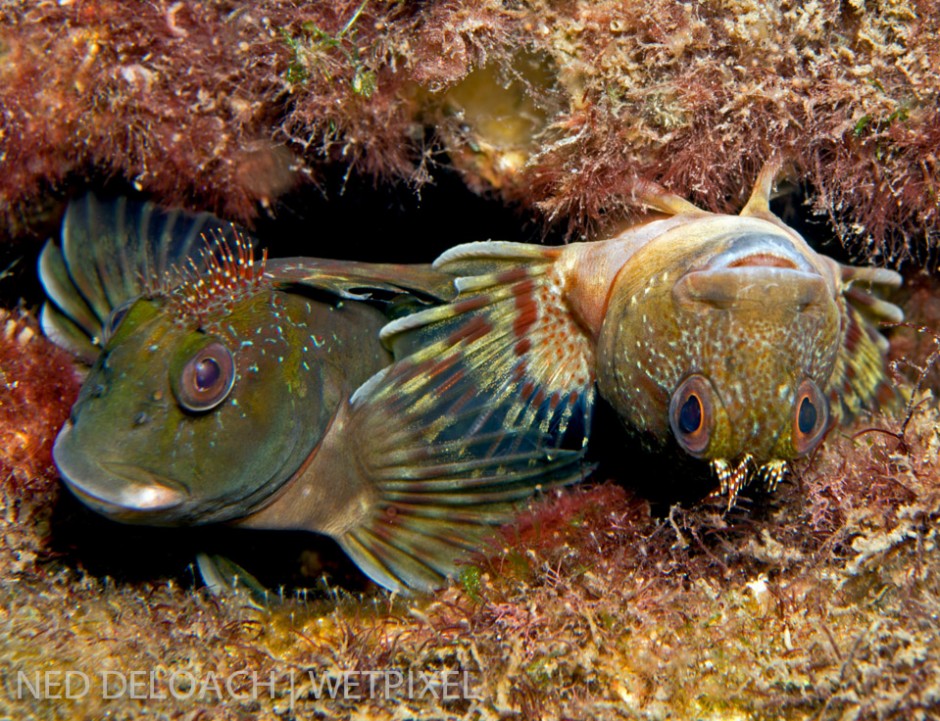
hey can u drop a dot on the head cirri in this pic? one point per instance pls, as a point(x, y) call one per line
point(180, 419)
point(196, 361)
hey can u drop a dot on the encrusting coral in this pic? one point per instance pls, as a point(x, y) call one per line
point(227, 106)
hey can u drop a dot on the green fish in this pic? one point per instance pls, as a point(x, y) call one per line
point(225, 388)
point(725, 336)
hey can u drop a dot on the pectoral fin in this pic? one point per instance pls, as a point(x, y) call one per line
point(859, 378)
point(488, 404)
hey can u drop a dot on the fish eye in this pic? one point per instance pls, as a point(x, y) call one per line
point(810, 417)
point(206, 379)
point(691, 414)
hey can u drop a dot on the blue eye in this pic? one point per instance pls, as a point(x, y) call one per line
point(690, 415)
point(807, 419)
point(810, 417)
point(207, 374)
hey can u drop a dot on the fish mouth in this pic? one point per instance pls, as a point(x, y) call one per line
point(755, 269)
point(760, 251)
point(115, 489)
point(763, 260)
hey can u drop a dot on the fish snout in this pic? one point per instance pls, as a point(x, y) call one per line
point(115, 489)
point(769, 285)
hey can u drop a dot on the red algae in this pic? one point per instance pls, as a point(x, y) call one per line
point(227, 108)
point(817, 602)
point(39, 384)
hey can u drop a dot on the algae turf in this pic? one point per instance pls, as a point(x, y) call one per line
point(602, 97)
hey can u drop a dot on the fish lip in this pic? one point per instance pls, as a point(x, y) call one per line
point(770, 272)
point(760, 251)
point(114, 488)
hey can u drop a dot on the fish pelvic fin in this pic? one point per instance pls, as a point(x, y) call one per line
point(112, 252)
point(860, 380)
point(657, 198)
point(487, 405)
point(758, 205)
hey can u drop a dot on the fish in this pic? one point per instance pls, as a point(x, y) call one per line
point(226, 387)
point(722, 337)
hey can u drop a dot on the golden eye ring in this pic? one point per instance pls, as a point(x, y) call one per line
point(810, 417)
point(691, 414)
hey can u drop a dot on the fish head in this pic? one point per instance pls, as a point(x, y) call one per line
point(189, 418)
point(726, 347)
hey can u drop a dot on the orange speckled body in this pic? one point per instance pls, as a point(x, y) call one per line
point(670, 314)
point(736, 316)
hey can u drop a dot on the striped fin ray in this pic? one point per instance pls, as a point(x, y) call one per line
point(110, 253)
point(488, 403)
point(859, 380)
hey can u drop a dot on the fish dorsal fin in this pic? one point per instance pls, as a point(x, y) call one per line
point(859, 381)
point(758, 205)
point(112, 252)
point(491, 406)
point(361, 281)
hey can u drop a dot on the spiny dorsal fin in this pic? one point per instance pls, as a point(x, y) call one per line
point(359, 281)
point(110, 253)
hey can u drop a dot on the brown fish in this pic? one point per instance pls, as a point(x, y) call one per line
point(725, 335)
point(221, 389)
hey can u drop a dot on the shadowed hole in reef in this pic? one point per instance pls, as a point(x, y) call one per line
point(354, 219)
